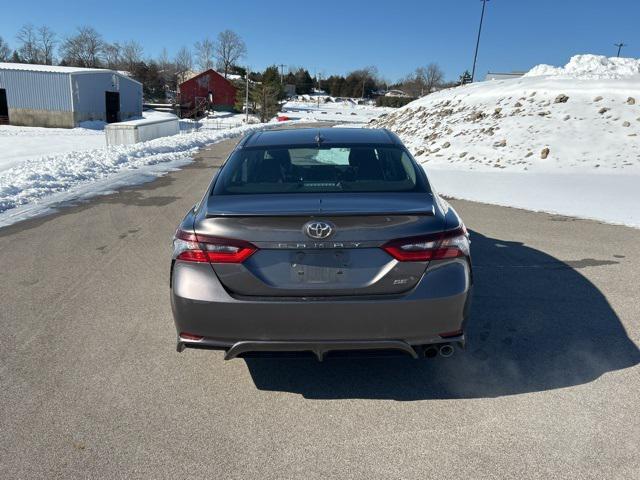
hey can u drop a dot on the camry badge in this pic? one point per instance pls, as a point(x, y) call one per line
point(318, 230)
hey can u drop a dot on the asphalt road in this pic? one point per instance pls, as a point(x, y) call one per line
point(92, 387)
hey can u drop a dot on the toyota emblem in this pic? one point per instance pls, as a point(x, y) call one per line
point(318, 230)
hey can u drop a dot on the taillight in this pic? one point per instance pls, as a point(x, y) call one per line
point(202, 248)
point(450, 244)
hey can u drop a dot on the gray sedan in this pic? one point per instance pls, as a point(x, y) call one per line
point(321, 240)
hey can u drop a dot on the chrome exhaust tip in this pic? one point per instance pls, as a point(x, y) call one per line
point(446, 350)
point(430, 352)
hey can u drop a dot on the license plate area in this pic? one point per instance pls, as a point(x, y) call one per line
point(324, 267)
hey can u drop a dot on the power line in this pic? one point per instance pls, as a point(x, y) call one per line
point(620, 45)
point(475, 56)
point(246, 97)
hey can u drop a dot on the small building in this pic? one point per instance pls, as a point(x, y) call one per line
point(54, 96)
point(396, 93)
point(206, 91)
point(503, 75)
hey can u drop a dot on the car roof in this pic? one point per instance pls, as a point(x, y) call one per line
point(329, 136)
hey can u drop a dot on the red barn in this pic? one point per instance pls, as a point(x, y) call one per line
point(207, 90)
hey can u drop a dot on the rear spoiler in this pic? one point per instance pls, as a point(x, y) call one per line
point(312, 213)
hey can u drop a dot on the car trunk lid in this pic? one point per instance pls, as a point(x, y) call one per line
point(349, 261)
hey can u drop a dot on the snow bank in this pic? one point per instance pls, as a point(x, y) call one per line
point(590, 67)
point(570, 126)
point(29, 188)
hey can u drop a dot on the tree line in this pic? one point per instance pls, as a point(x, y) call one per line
point(86, 47)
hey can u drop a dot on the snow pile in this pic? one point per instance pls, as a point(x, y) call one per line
point(20, 144)
point(28, 188)
point(590, 67)
point(518, 141)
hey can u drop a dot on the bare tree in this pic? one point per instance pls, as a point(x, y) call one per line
point(183, 60)
point(28, 44)
point(414, 84)
point(366, 76)
point(46, 43)
point(183, 63)
point(5, 51)
point(205, 51)
point(229, 48)
point(423, 81)
point(84, 49)
point(36, 45)
point(163, 60)
point(112, 53)
point(131, 55)
point(167, 69)
point(433, 77)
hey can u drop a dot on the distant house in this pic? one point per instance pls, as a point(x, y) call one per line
point(396, 93)
point(207, 90)
point(53, 96)
point(289, 90)
point(503, 76)
point(184, 76)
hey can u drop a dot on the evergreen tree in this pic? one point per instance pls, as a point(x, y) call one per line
point(241, 88)
point(267, 93)
point(303, 82)
point(465, 78)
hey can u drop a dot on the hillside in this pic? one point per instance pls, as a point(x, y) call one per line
point(585, 117)
point(580, 119)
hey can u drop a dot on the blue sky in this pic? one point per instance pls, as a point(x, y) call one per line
point(337, 36)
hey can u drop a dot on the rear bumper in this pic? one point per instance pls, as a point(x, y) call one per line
point(438, 304)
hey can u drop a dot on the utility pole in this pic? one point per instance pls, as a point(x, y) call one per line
point(620, 45)
point(475, 56)
point(281, 73)
point(246, 98)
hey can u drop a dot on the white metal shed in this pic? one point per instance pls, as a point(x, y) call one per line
point(54, 96)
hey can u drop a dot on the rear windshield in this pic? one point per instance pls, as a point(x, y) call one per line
point(319, 169)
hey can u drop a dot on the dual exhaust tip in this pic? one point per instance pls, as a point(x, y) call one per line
point(445, 350)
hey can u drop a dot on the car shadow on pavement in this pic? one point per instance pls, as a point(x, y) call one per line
point(537, 324)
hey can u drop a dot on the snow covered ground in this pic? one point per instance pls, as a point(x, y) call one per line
point(324, 108)
point(19, 144)
point(40, 167)
point(561, 139)
point(218, 121)
point(31, 187)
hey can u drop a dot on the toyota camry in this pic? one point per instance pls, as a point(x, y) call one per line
point(321, 240)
